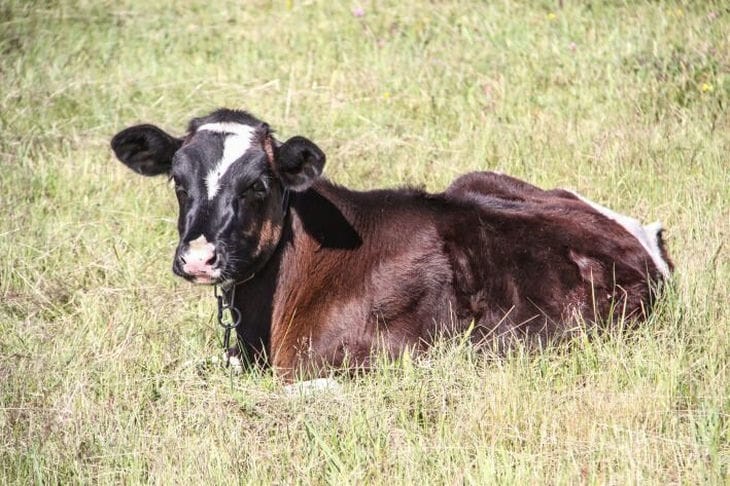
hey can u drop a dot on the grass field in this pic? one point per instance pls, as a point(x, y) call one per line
point(101, 346)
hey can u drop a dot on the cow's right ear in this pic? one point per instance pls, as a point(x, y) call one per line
point(299, 162)
point(146, 149)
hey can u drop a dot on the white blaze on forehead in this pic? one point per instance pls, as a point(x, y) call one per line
point(647, 235)
point(237, 142)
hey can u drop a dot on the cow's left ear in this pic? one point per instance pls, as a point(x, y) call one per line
point(298, 163)
point(146, 149)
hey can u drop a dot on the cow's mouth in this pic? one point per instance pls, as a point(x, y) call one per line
point(203, 279)
point(200, 276)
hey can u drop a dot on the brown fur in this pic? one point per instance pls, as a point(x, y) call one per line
point(356, 273)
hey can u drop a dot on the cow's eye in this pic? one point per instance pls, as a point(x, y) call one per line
point(180, 191)
point(256, 190)
point(258, 187)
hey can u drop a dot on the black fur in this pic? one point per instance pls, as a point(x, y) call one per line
point(146, 149)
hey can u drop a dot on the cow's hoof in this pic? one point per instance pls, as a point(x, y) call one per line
point(232, 359)
point(235, 364)
point(312, 387)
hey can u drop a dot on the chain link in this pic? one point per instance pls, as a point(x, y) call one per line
point(227, 320)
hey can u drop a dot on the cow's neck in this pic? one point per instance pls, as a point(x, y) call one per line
point(270, 302)
point(254, 299)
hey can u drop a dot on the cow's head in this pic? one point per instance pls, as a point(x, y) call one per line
point(231, 179)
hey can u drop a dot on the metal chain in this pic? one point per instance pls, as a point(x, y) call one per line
point(228, 321)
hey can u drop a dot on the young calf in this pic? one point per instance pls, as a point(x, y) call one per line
point(327, 276)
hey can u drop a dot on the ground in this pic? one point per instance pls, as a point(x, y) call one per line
point(102, 349)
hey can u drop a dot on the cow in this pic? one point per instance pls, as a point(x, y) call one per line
point(328, 277)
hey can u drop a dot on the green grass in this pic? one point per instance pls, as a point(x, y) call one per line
point(100, 346)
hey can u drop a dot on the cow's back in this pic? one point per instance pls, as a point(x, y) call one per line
point(530, 261)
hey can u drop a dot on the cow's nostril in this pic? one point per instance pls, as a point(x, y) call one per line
point(212, 260)
point(182, 259)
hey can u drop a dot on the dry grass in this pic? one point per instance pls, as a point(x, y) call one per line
point(101, 374)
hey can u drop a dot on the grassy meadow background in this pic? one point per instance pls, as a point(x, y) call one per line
point(102, 348)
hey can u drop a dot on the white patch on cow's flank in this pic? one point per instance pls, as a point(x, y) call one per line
point(238, 140)
point(646, 235)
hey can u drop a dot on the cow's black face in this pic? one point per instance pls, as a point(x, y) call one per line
point(230, 202)
point(230, 179)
